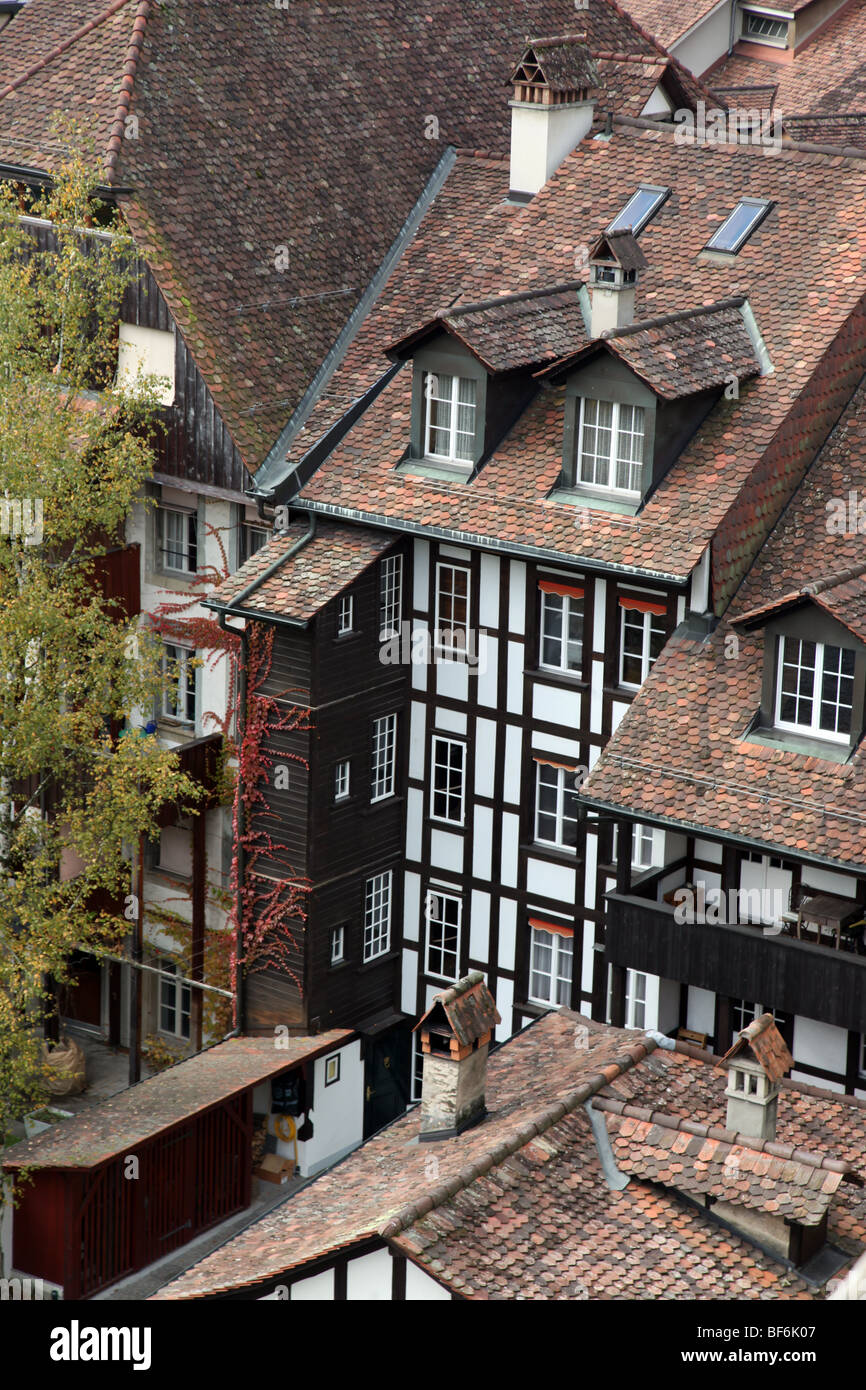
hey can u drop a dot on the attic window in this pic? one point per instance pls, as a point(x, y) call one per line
point(449, 417)
point(739, 225)
point(641, 207)
point(815, 688)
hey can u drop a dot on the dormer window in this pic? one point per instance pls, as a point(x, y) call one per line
point(815, 689)
point(449, 417)
point(610, 446)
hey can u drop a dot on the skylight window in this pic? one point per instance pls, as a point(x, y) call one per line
point(641, 206)
point(739, 225)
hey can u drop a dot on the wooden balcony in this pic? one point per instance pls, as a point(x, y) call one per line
point(736, 959)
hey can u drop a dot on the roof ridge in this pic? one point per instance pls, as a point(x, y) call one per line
point(775, 1148)
point(832, 581)
point(127, 84)
point(62, 47)
point(506, 1148)
point(735, 301)
point(647, 123)
point(480, 305)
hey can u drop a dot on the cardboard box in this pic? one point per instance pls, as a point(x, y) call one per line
point(273, 1168)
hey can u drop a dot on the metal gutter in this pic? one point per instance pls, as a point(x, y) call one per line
point(515, 548)
point(273, 471)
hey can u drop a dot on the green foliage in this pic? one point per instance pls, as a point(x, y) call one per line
point(75, 450)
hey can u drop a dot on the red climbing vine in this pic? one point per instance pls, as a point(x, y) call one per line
point(266, 908)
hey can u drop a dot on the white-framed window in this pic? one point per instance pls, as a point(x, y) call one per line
point(377, 915)
point(342, 780)
point(390, 596)
point(449, 417)
point(444, 913)
point(815, 689)
point(179, 677)
point(561, 629)
point(417, 1077)
point(556, 806)
point(550, 966)
point(610, 441)
point(635, 999)
point(345, 614)
point(447, 790)
point(642, 845)
point(174, 1003)
point(642, 636)
point(251, 539)
point(384, 757)
point(764, 28)
point(338, 945)
point(745, 1011)
point(452, 611)
point(177, 540)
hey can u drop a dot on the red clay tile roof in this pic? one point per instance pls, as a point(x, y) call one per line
point(660, 1151)
point(825, 78)
point(516, 330)
point(668, 20)
point(682, 751)
point(763, 438)
point(278, 152)
point(519, 1207)
point(132, 1116)
point(325, 566)
point(843, 596)
point(679, 354)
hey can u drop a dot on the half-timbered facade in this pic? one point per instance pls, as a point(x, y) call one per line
point(752, 783)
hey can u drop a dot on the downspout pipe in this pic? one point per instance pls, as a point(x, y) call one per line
point(222, 618)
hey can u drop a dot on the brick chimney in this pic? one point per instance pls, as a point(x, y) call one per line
point(614, 263)
point(455, 1038)
point(551, 109)
point(756, 1064)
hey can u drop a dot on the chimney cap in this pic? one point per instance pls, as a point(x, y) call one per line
point(562, 65)
point(619, 248)
point(469, 1008)
point(766, 1045)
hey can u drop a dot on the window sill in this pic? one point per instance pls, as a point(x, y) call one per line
point(627, 504)
point(557, 675)
point(560, 853)
point(808, 747)
point(380, 801)
point(437, 469)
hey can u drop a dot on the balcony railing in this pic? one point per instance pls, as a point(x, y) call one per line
point(738, 959)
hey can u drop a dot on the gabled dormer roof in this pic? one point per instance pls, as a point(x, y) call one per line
point(555, 69)
point(842, 595)
point(679, 354)
point(618, 247)
point(468, 1008)
point(762, 1042)
point(515, 330)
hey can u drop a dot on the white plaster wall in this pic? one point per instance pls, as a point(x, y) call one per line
point(820, 1045)
point(338, 1111)
point(507, 933)
point(421, 1288)
point(707, 42)
point(409, 981)
point(369, 1277)
point(701, 1012)
point(318, 1288)
point(552, 705)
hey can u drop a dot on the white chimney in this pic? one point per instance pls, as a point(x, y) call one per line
point(756, 1063)
point(614, 263)
point(455, 1038)
point(551, 110)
